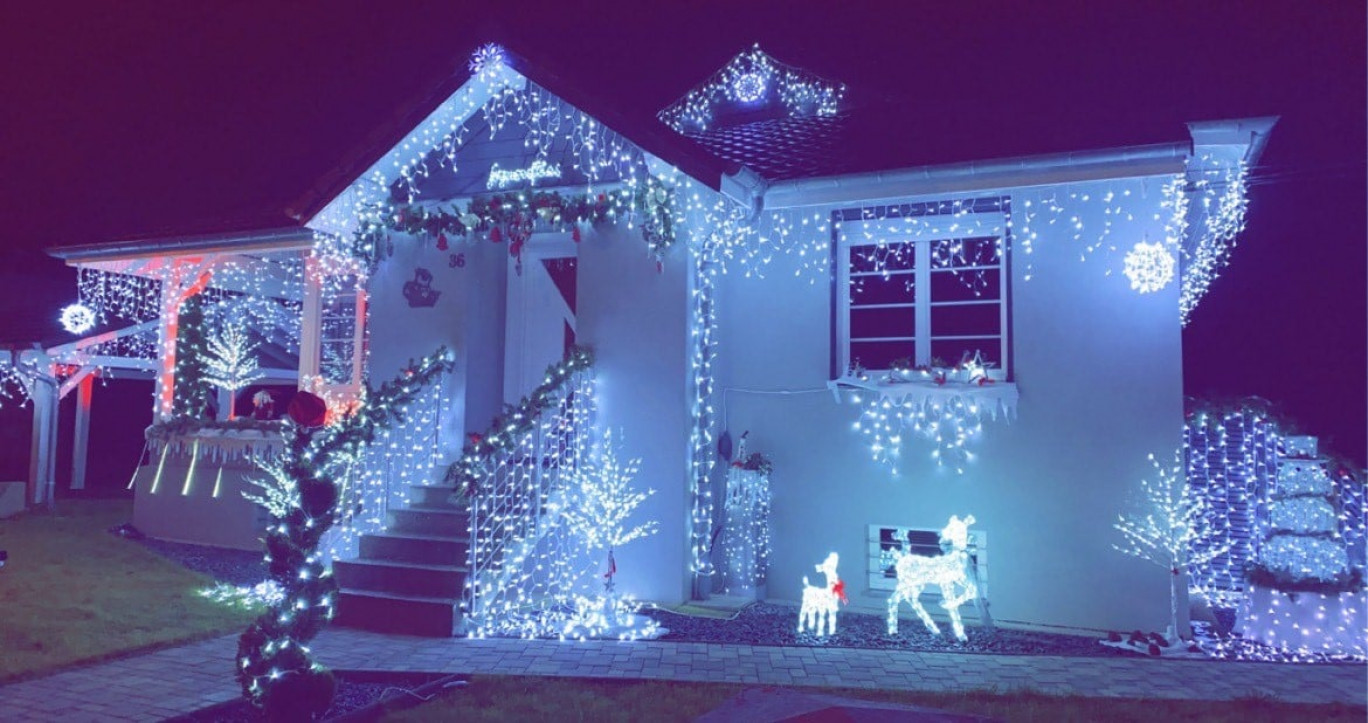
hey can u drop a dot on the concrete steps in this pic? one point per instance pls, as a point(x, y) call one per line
point(410, 578)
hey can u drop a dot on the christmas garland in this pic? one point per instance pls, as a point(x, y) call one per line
point(181, 426)
point(274, 666)
point(514, 215)
point(517, 419)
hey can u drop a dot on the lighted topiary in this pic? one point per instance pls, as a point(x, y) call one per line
point(274, 666)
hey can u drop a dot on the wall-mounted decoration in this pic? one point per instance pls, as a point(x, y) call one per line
point(419, 291)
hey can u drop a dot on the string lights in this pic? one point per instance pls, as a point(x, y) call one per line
point(753, 78)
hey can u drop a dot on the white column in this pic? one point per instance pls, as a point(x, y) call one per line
point(81, 437)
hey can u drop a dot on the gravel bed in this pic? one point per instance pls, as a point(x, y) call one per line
point(770, 624)
point(235, 567)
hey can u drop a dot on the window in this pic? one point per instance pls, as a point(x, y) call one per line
point(918, 288)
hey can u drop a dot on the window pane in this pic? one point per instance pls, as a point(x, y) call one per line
point(878, 355)
point(966, 285)
point(966, 320)
point(952, 350)
point(954, 253)
point(883, 257)
point(895, 289)
point(865, 323)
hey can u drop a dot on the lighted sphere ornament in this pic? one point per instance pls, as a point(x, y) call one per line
point(1149, 266)
point(78, 318)
point(749, 87)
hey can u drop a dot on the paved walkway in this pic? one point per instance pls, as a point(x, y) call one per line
point(178, 680)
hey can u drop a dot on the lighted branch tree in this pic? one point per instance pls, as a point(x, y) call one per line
point(274, 666)
point(601, 502)
point(1175, 516)
point(231, 361)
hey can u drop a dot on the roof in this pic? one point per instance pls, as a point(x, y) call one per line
point(794, 125)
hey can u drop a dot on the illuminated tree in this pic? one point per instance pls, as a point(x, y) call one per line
point(230, 361)
point(1174, 516)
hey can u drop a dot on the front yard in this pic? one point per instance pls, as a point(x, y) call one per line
point(72, 592)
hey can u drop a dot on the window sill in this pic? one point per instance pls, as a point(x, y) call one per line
point(992, 397)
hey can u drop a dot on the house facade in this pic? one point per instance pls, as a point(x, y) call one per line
point(997, 338)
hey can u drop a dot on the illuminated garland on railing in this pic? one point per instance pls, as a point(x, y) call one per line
point(274, 665)
point(505, 430)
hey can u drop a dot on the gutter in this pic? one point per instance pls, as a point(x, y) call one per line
point(1133, 161)
point(277, 239)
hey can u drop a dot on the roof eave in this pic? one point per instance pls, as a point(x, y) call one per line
point(1016, 172)
point(274, 239)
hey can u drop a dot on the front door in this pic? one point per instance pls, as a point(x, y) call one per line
point(540, 324)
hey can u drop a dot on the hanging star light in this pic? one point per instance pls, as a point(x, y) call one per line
point(1149, 266)
point(78, 318)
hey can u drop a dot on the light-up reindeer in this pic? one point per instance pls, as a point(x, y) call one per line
point(949, 571)
point(820, 603)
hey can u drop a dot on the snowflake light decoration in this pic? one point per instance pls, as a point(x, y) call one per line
point(1149, 266)
point(487, 57)
point(749, 87)
point(78, 318)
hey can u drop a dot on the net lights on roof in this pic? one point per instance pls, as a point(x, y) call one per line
point(753, 78)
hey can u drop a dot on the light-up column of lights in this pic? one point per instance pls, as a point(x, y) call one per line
point(1223, 201)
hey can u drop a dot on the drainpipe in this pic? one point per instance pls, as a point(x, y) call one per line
point(747, 188)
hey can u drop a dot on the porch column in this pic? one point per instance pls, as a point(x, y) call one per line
point(81, 437)
point(43, 452)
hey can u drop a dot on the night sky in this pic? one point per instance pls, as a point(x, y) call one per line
point(124, 120)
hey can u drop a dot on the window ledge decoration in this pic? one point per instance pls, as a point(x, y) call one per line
point(947, 412)
point(217, 441)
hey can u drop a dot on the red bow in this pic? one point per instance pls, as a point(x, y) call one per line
point(838, 589)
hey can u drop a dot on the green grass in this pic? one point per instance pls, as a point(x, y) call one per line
point(73, 593)
point(503, 698)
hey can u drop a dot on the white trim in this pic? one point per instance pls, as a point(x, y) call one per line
point(922, 231)
point(978, 548)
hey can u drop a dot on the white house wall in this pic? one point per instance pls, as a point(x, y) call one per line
point(635, 320)
point(1100, 378)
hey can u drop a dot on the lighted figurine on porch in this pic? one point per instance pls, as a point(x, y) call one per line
point(263, 405)
point(820, 604)
point(949, 571)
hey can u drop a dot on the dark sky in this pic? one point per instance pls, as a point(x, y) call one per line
point(128, 119)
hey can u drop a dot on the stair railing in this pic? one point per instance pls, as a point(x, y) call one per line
point(515, 561)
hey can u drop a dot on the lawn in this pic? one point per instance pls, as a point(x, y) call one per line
point(503, 698)
point(72, 592)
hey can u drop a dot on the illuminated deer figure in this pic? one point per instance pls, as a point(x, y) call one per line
point(820, 603)
point(948, 571)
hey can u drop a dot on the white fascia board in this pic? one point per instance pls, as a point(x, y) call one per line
point(1023, 172)
point(338, 216)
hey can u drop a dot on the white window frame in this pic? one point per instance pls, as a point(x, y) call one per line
point(978, 548)
point(928, 229)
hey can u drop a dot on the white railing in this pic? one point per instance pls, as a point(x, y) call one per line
point(521, 568)
point(404, 453)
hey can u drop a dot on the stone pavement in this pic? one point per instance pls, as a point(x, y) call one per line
point(157, 685)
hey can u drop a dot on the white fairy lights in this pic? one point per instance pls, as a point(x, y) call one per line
point(950, 572)
point(750, 78)
point(1149, 267)
point(77, 318)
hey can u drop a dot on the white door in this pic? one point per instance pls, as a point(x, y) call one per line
point(540, 323)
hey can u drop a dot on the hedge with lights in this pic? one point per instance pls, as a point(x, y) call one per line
point(515, 421)
point(193, 394)
point(274, 666)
